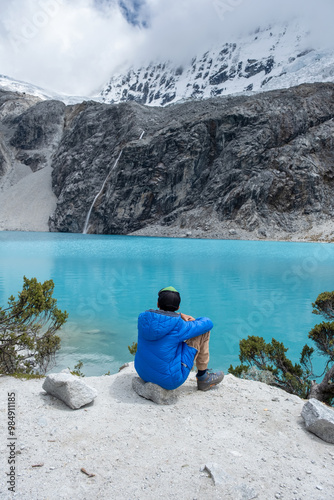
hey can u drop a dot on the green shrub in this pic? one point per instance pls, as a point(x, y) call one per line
point(133, 348)
point(77, 369)
point(28, 326)
point(294, 378)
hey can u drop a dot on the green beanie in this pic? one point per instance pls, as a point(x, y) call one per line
point(169, 289)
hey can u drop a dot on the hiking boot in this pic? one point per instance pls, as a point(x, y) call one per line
point(208, 380)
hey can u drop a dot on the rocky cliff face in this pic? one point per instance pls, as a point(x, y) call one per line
point(29, 134)
point(259, 162)
point(29, 129)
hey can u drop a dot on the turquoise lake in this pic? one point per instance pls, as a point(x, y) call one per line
point(104, 282)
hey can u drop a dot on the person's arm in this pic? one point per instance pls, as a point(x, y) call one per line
point(194, 328)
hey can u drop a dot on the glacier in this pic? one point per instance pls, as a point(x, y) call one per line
point(279, 56)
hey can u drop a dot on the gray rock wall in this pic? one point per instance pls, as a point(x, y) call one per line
point(260, 161)
point(36, 133)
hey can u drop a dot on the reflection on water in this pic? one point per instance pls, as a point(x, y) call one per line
point(104, 282)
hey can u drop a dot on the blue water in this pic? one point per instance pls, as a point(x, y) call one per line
point(104, 282)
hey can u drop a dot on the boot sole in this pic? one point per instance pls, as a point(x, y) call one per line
point(208, 387)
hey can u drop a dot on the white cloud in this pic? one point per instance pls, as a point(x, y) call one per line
point(72, 46)
point(66, 46)
point(186, 26)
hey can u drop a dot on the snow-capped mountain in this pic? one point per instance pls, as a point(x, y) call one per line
point(276, 57)
point(10, 84)
point(280, 56)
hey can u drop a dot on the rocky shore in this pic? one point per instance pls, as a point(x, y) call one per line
point(241, 440)
point(317, 232)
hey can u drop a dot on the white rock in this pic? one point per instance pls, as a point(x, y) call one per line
point(153, 392)
point(42, 422)
point(232, 488)
point(319, 419)
point(70, 389)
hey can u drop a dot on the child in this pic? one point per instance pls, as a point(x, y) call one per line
point(169, 343)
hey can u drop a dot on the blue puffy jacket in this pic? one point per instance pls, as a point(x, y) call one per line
point(162, 355)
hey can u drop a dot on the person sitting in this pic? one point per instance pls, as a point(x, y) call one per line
point(169, 343)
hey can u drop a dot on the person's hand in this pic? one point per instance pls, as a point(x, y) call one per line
point(186, 317)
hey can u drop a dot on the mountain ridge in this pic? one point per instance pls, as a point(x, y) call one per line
point(278, 56)
point(9, 84)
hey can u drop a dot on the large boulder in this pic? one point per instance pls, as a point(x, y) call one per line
point(70, 389)
point(319, 419)
point(153, 392)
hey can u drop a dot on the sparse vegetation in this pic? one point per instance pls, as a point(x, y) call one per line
point(28, 326)
point(133, 348)
point(77, 369)
point(295, 378)
point(27, 376)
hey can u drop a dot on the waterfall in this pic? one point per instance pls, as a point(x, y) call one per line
point(85, 229)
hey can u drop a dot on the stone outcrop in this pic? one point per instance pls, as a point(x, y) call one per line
point(256, 162)
point(29, 134)
point(37, 132)
point(153, 392)
point(70, 389)
point(319, 419)
point(12, 106)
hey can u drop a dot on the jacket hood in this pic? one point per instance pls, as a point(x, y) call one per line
point(155, 324)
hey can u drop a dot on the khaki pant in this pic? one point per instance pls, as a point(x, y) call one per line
point(201, 343)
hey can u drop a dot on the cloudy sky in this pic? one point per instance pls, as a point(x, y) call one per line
point(74, 46)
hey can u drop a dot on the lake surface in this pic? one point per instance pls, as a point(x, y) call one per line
point(104, 282)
